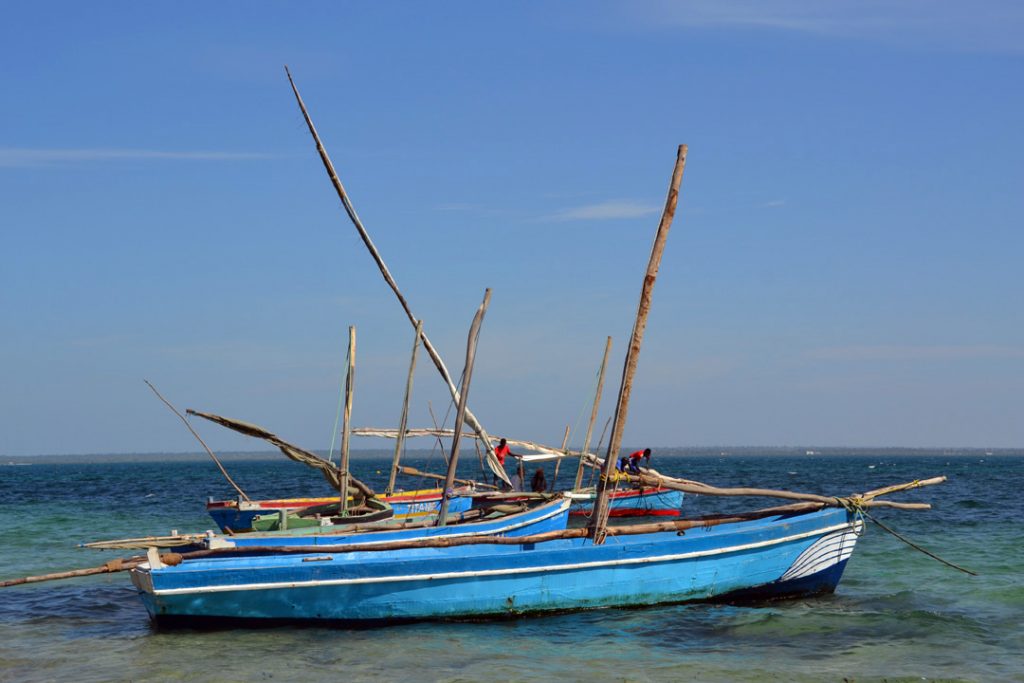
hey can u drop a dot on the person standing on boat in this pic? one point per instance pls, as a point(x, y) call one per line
point(502, 451)
point(539, 484)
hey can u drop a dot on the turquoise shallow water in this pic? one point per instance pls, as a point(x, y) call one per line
point(897, 614)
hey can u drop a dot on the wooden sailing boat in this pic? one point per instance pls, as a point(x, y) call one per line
point(797, 549)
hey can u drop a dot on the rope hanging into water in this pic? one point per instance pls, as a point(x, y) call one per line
point(854, 506)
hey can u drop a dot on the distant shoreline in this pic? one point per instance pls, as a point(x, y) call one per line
point(659, 452)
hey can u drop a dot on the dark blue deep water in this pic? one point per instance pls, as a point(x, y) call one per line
point(897, 614)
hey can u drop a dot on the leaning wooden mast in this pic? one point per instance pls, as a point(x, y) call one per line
point(593, 414)
point(460, 413)
point(428, 347)
point(599, 522)
point(403, 422)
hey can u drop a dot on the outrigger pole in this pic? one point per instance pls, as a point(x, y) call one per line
point(354, 217)
point(599, 523)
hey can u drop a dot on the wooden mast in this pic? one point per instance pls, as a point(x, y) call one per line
point(403, 423)
point(565, 452)
point(593, 413)
point(427, 346)
point(346, 424)
point(598, 526)
point(460, 414)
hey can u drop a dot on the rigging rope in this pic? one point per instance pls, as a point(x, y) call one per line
point(854, 506)
point(337, 415)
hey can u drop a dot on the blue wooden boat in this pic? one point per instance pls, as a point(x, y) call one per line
point(547, 516)
point(646, 501)
point(234, 516)
point(772, 557)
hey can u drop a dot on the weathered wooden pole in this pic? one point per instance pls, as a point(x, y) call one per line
point(565, 452)
point(492, 460)
point(460, 414)
point(593, 413)
point(199, 439)
point(599, 523)
point(403, 422)
point(346, 424)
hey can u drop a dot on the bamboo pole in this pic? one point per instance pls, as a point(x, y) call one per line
point(403, 422)
point(593, 413)
point(565, 452)
point(427, 346)
point(200, 440)
point(346, 424)
point(600, 518)
point(109, 567)
point(460, 414)
point(868, 495)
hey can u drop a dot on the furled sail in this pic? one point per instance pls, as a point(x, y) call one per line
point(297, 454)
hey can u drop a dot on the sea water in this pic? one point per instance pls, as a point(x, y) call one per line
point(897, 614)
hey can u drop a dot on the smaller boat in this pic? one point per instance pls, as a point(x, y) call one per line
point(501, 517)
point(234, 516)
point(646, 501)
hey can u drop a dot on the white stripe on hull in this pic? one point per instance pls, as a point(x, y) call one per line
point(147, 586)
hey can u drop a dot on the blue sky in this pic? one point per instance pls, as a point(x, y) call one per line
point(844, 268)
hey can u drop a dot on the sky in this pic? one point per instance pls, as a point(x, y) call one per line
point(843, 270)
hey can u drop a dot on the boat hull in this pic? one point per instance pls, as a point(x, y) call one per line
point(646, 502)
point(237, 515)
point(764, 559)
point(551, 516)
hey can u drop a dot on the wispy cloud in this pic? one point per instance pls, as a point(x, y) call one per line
point(604, 211)
point(914, 353)
point(998, 26)
point(33, 158)
point(773, 204)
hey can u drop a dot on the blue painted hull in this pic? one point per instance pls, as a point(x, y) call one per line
point(551, 516)
point(231, 517)
point(772, 557)
point(632, 503)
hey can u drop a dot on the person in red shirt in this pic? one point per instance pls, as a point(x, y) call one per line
point(635, 457)
point(502, 451)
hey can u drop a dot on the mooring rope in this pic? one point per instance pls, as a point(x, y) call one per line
point(854, 506)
